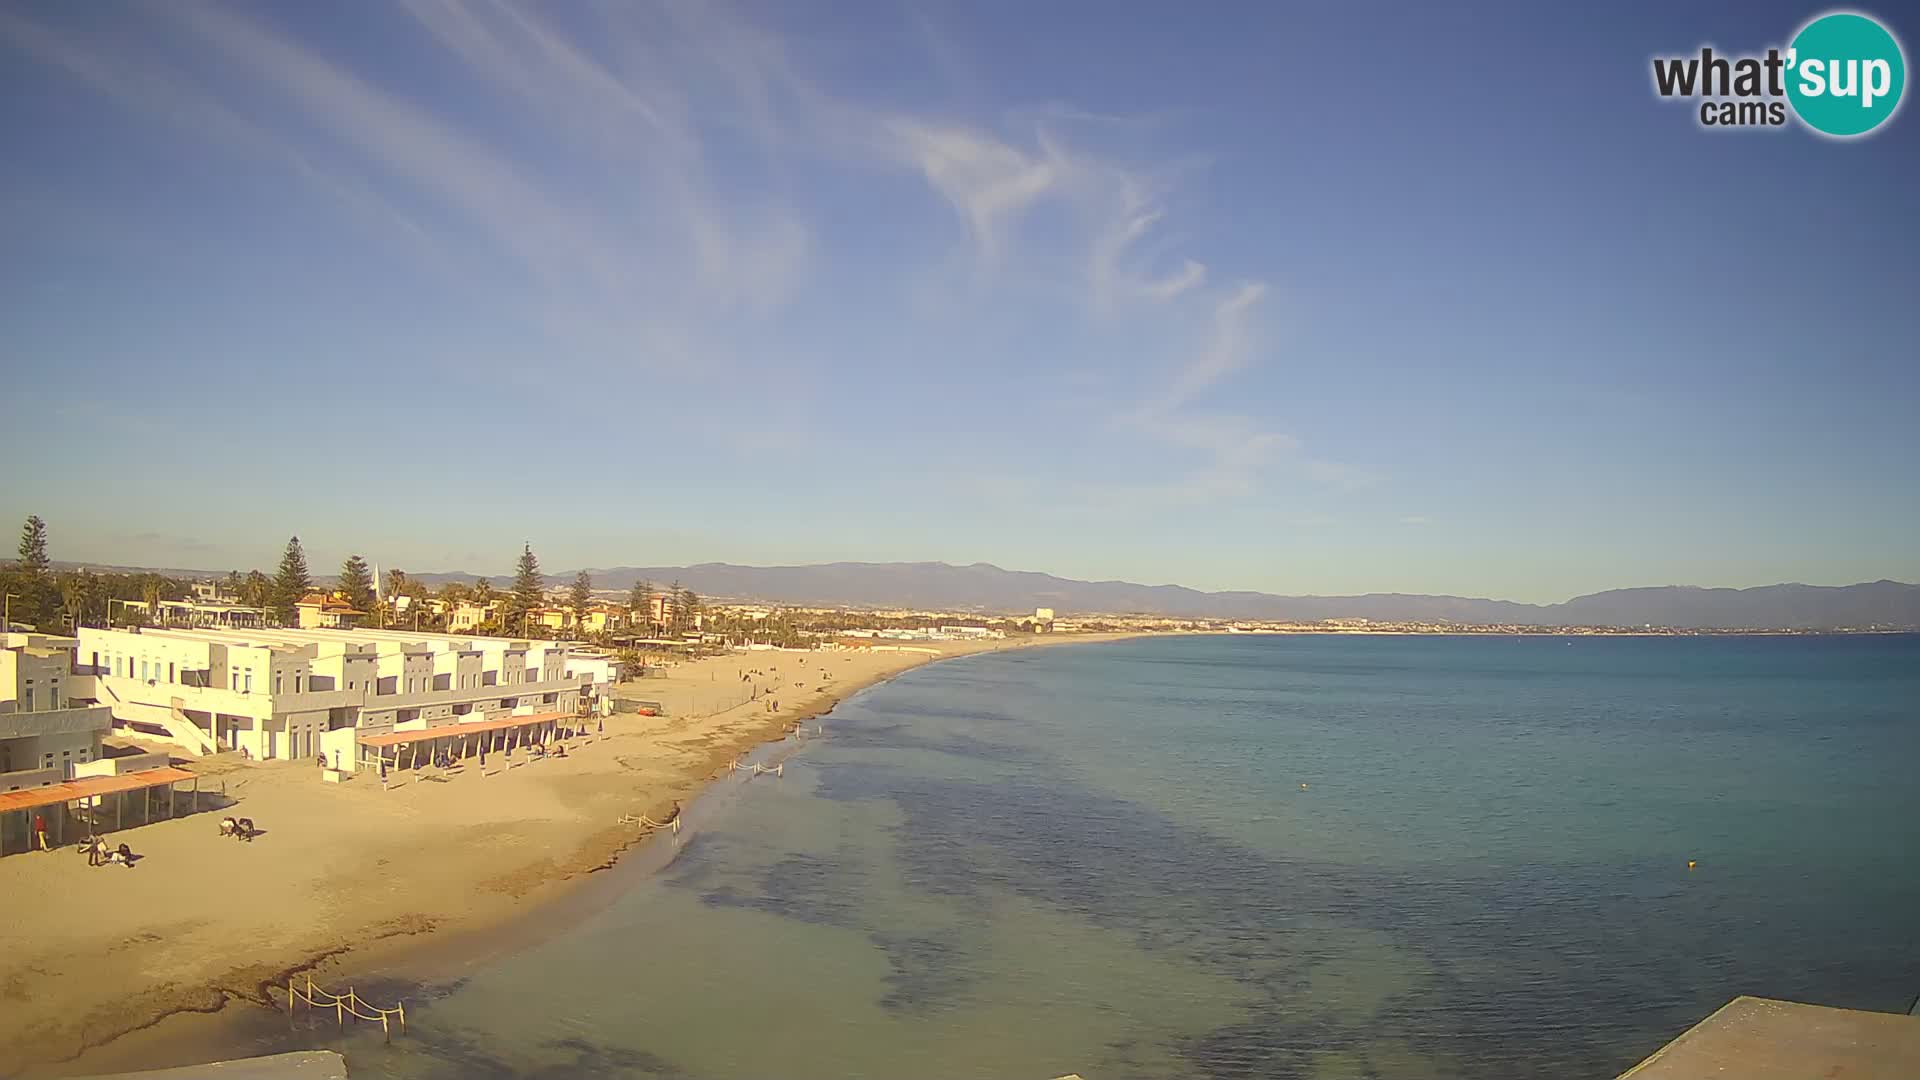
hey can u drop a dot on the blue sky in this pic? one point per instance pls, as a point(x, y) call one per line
point(1367, 298)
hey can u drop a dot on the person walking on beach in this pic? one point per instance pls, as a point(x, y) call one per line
point(93, 851)
point(383, 773)
point(40, 832)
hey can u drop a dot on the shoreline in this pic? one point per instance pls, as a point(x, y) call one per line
point(163, 1022)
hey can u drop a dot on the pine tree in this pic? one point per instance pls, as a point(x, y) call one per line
point(528, 593)
point(640, 601)
point(33, 547)
point(291, 584)
point(483, 592)
point(673, 613)
point(689, 607)
point(580, 596)
point(356, 584)
point(37, 599)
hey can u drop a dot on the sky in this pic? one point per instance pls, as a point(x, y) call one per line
point(1302, 299)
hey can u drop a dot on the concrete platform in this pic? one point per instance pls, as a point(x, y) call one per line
point(1761, 1039)
point(299, 1065)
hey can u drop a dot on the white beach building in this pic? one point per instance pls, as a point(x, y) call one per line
point(293, 693)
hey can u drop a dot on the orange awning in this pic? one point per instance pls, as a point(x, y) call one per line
point(401, 738)
point(90, 787)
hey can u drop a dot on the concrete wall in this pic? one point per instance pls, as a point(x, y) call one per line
point(60, 751)
point(125, 763)
point(22, 779)
point(343, 742)
point(34, 679)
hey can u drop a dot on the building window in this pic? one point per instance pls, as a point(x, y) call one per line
point(249, 686)
point(29, 700)
point(276, 682)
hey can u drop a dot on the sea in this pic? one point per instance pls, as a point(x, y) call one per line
point(1316, 856)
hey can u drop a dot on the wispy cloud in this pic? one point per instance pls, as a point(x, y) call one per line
point(1225, 351)
point(651, 172)
point(989, 182)
point(131, 77)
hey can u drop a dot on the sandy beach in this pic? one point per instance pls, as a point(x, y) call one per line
point(345, 873)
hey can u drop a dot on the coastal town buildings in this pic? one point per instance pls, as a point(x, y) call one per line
point(298, 693)
point(207, 612)
point(321, 611)
point(604, 619)
point(466, 616)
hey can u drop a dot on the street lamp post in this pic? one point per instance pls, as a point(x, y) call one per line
point(6, 612)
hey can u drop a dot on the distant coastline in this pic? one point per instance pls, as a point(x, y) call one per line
point(982, 589)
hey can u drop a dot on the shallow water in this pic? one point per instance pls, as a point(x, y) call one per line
point(1246, 857)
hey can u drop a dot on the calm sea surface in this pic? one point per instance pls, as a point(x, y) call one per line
point(1247, 857)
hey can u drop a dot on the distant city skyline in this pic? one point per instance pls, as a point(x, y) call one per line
point(1180, 299)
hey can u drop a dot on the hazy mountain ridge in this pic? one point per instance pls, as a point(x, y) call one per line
point(988, 588)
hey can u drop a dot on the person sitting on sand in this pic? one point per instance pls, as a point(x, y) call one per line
point(123, 856)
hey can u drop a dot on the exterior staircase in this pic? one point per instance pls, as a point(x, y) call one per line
point(173, 720)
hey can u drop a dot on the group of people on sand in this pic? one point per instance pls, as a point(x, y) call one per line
point(100, 853)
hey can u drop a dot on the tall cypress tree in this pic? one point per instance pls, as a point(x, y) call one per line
point(291, 584)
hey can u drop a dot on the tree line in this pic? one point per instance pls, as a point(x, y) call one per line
point(37, 596)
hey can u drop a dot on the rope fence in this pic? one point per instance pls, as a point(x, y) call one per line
point(757, 769)
point(642, 821)
point(345, 1005)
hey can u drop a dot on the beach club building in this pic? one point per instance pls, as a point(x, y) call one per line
point(295, 694)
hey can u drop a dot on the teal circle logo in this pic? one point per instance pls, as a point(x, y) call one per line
point(1845, 74)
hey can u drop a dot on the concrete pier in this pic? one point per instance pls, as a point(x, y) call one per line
point(299, 1065)
point(1762, 1039)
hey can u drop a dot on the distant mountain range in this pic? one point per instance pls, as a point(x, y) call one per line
point(989, 589)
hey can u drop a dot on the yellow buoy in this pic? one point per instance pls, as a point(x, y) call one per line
point(1303, 787)
point(1690, 864)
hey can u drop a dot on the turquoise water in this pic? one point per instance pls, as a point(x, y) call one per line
point(1248, 856)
